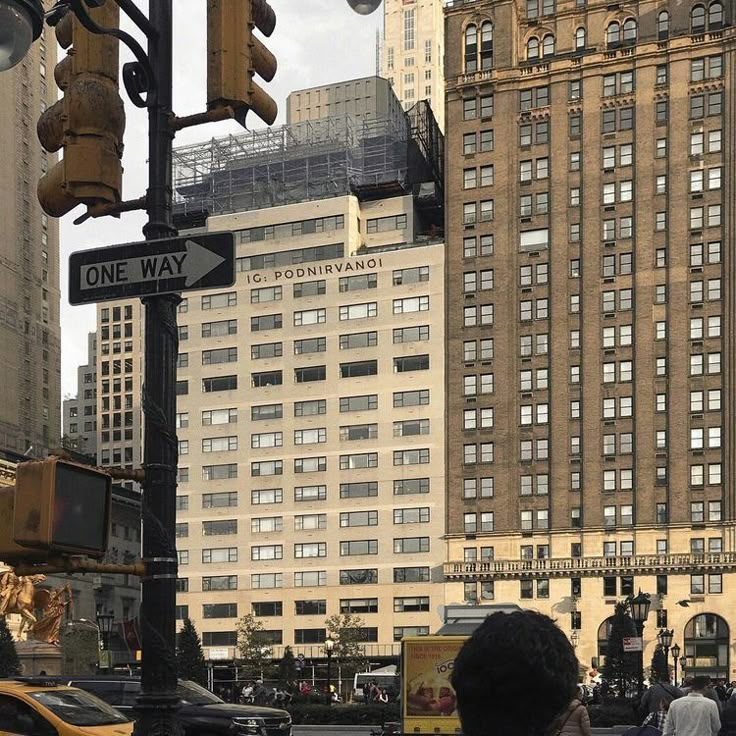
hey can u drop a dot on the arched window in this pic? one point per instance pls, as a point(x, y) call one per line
point(697, 19)
point(471, 49)
point(629, 30)
point(580, 39)
point(706, 645)
point(715, 16)
point(532, 48)
point(548, 45)
point(486, 45)
point(663, 24)
point(604, 631)
point(613, 34)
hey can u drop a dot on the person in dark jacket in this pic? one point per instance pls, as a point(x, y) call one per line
point(662, 691)
point(728, 718)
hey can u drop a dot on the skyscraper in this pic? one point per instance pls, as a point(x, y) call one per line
point(590, 360)
point(413, 52)
point(30, 350)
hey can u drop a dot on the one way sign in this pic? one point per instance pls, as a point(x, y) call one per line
point(152, 267)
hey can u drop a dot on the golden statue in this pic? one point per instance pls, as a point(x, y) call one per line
point(49, 627)
point(19, 595)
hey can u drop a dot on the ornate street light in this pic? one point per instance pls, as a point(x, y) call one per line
point(575, 638)
point(329, 646)
point(675, 656)
point(104, 622)
point(665, 637)
point(683, 664)
point(364, 7)
point(639, 607)
point(21, 23)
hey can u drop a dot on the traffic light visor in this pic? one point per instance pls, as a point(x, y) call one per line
point(80, 506)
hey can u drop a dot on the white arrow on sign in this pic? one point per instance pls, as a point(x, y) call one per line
point(193, 264)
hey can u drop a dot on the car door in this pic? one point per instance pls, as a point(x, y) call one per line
point(17, 718)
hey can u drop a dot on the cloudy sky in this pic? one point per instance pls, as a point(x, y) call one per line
point(315, 41)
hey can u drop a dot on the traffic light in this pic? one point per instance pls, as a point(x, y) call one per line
point(57, 508)
point(235, 55)
point(88, 122)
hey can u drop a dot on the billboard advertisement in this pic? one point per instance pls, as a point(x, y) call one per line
point(428, 699)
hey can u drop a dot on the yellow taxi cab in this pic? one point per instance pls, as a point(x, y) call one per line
point(34, 706)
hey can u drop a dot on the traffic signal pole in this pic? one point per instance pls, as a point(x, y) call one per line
point(234, 55)
point(157, 703)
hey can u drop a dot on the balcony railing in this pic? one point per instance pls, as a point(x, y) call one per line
point(590, 566)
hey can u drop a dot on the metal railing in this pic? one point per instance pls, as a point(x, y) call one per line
point(590, 566)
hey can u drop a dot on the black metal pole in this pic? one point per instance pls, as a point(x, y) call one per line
point(640, 658)
point(157, 703)
point(674, 659)
point(329, 677)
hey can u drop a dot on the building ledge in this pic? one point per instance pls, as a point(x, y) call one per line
point(671, 564)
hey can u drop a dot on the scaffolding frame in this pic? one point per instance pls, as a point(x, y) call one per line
point(296, 163)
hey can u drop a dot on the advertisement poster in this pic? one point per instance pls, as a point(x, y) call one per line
point(428, 664)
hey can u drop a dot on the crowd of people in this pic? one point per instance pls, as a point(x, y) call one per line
point(373, 693)
point(700, 707)
point(497, 697)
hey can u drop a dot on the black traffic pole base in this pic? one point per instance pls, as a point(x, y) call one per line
point(156, 715)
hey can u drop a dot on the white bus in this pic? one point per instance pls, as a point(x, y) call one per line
point(388, 681)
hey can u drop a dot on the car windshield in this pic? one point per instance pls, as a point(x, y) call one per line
point(78, 707)
point(194, 694)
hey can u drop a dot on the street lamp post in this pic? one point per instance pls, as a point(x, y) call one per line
point(639, 607)
point(574, 638)
point(683, 664)
point(665, 637)
point(329, 646)
point(675, 656)
point(104, 624)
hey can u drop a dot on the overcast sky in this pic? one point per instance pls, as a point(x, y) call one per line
point(315, 41)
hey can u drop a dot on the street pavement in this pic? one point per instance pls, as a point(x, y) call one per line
point(365, 731)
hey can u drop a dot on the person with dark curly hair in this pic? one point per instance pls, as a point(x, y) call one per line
point(515, 676)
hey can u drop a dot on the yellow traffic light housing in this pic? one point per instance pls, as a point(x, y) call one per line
point(57, 507)
point(88, 123)
point(235, 55)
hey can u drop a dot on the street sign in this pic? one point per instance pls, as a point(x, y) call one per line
point(633, 644)
point(152, 267)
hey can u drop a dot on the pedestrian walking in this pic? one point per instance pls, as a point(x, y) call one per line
point(575, 721)
point(728, 718)
point(663, 691)
point(693, 715)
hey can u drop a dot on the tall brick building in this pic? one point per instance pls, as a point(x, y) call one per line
point(590, 301)
point(30, 341)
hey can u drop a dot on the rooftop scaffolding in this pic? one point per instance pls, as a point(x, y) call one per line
point(307, 161)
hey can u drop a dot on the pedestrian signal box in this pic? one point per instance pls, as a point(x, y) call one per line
point(58, 508)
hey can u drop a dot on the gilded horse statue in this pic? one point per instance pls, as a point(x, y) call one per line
point(19, 595)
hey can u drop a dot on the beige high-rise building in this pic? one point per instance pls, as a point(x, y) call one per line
point(413, 52)
point(311, 429)
point(80, 411)
point(30, 348)
point(590, 315)
point(310, 394)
